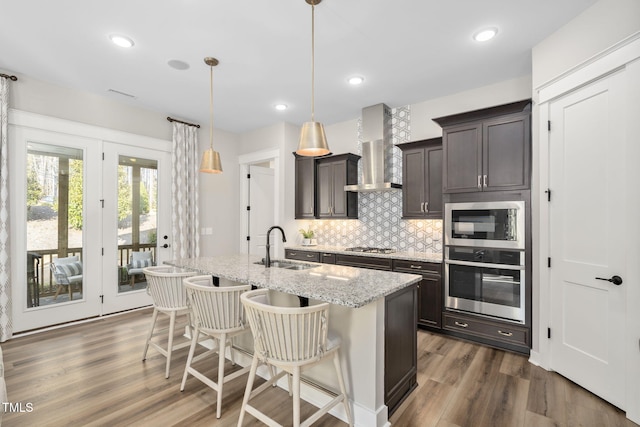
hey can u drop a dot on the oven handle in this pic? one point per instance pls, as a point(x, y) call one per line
point(485, 265)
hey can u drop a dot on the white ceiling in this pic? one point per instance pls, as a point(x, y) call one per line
point(407, 50)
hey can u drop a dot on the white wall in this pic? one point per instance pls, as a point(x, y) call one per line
point(600, 26)
point(28, 94)
point(220, 195)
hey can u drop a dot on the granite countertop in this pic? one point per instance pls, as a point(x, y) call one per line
point(335, 284)
point(415, 256)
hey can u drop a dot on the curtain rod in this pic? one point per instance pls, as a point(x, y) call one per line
point(171, 119)
point(13, 78)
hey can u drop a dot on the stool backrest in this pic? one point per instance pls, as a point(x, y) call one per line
point(215, 308)
point(164, 284)
point(286, 334)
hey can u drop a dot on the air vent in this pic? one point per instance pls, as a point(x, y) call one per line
point(128, 95)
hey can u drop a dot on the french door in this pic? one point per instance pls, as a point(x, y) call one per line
point(137, 206)
point(86, 216)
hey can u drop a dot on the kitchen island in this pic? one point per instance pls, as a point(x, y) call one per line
point(373, 313)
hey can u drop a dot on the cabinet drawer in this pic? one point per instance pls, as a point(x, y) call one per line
point(302, 255)
point(327, 258)
point(417, 267)
point(364, 262)
point(494, 330)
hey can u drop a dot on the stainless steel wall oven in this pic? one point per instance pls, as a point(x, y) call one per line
point(485, 260)
point(486, 281)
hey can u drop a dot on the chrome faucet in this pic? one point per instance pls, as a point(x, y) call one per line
point(267, 259)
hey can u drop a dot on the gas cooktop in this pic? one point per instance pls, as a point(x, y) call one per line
point(371, 250)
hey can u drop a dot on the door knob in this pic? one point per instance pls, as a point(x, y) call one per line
point(616, 280)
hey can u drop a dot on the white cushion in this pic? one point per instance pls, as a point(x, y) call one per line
point(140, 256)
point(67, 260)
point(69, 269)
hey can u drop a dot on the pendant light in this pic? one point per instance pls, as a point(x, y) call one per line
point(313, 141)
point(211, 159)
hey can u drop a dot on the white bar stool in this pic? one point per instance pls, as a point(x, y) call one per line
point(289, 338)
point(164, 284)
point(217, 313)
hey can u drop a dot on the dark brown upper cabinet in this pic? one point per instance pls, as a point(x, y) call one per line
point(332, 174)
point(422, 179)
point(305, 184)
point(488, 149)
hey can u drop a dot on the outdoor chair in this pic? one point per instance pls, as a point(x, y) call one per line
point(138, 261)
point(67, 272)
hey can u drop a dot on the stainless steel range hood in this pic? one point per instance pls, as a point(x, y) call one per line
point(376, 151)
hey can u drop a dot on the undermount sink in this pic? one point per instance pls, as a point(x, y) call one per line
point(288, 265)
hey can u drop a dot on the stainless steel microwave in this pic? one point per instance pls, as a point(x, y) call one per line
point(498, 224)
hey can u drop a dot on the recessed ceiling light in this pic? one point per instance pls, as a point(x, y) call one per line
point(486, 34)
point(355, 80)
point(281, 107)
point(122, 41)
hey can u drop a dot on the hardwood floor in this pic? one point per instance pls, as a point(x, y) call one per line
point(92, 375)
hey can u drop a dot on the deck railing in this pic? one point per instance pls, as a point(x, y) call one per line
point(40, 260)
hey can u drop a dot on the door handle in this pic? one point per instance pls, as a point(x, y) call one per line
point(479, 181)
point(462, 325)
point(616, 280)
point(421, 206)
point(484, 181)
point(426, 207)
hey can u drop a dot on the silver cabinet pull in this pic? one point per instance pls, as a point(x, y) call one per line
point(462, 325)
point(484, 179)
point(479, 181)
point(426, 207)
point(309, 256)
point(293, 253)
point(327, 254)
point(416, 266)
point(506, 334)
point(421, 206)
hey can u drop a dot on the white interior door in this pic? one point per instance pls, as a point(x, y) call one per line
point(137, 222)
point(261, 200)
point(587, 215)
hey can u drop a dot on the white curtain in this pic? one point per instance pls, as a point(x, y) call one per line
point(6, 321)
point(184, 191)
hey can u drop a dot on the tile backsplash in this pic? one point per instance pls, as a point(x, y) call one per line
point(380, 222)
point(380, 225)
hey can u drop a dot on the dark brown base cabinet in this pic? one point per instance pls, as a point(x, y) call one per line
point(400, 347)
point(504, 335)
point(429, 291)
point(310, 256)
point(422, 179)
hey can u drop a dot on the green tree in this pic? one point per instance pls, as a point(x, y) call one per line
point(75, 193)
point(124, 194)
point(34, 189)
point(144, 199)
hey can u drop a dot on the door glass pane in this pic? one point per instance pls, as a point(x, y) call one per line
point(54, 224)
point(137, 219)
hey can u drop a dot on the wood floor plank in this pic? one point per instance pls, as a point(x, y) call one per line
point(92, 374)
point(547, 395)
point(473, 394)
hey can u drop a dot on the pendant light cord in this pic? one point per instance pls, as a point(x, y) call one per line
point(211, 106)
point(313, 66)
